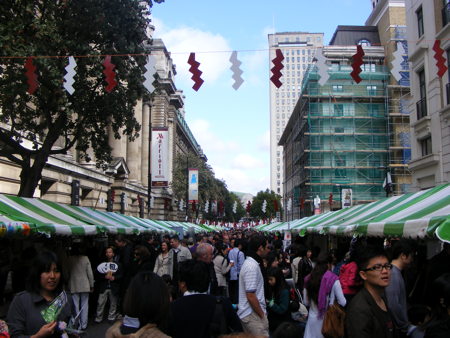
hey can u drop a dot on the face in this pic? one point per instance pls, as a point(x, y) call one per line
point(164, 247)
point(109, 253)
point(377, 278)
point(50, 279)
point(272, 281)
point(174, 243)
point(309, 254)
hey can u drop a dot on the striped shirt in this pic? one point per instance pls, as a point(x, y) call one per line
point(250, 281)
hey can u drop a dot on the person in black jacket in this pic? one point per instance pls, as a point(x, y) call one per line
point(197, 314)
point(368, 314)
point(109, 287)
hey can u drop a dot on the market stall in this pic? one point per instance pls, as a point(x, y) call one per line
point(19, 215)
point(425, 213)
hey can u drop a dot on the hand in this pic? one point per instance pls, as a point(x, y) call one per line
point(46, 330)
point(231, 263)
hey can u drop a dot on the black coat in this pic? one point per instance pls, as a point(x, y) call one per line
point(364, 318)
point(191, 316)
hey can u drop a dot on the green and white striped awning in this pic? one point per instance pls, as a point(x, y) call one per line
point(415, 215)
point(32, 215)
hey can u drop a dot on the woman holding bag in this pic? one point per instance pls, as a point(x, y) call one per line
point(322, 288)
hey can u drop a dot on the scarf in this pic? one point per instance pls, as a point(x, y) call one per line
point(326, 284)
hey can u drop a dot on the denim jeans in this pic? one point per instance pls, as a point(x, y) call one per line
point(81, 304)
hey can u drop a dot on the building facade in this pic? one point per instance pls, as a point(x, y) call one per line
point(390, 18)
point(125, 185)
point(298, 49)
point(336, 140)
point(428, 22)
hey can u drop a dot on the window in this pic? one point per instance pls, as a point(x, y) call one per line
point(298, 58)
point(303, 52)
point(297, 39)
point(371, 90)
point(283, 116)
point(419, 14)
point(368, 67)
point(318, 39)
point(278, 168)
point(446, 13)
point(421, 105)
point(298, 51)
point(308, 39)
point(338, 88)
point(303, 59)
point(338, 109)
point(425, 146)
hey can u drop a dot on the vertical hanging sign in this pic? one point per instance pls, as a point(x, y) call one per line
point(193, 186)
point(346, 198)
point(160, 157)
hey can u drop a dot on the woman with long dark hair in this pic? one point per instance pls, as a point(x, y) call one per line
point(146, 308)
point(29, 308)
point(322, 288)
point(277, 298)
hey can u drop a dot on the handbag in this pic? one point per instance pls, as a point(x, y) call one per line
point(298, 310)
point(333, 322)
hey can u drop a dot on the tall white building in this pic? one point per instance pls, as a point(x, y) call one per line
point(298, 49)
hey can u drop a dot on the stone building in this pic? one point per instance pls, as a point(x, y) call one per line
point(428, 22)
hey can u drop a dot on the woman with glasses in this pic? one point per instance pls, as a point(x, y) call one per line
point(368, 314)
point(322, 288)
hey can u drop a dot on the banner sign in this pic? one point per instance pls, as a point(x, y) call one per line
point(193, 185)
point(160, 157)
point(346, 198)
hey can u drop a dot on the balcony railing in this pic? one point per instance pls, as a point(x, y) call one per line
point(445, 14)
point(421, 107)
point(447, 90)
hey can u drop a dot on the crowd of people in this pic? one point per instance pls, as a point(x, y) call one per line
point(231, 283)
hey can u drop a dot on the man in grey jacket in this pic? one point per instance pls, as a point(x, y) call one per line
point(177, 254)
point(402, 257)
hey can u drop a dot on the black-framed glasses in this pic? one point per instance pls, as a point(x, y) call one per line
point(379, 267)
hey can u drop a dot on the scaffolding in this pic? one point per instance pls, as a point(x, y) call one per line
point(340, 138)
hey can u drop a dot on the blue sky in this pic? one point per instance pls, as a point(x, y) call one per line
point(232, 126)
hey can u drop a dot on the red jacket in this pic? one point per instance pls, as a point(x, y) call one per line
point(349, 278)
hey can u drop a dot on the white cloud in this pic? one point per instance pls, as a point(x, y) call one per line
point(246, 161)
point(209, 49)
point(209, 141)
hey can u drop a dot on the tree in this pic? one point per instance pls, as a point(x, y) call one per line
point(50, 121)
point(258, 200)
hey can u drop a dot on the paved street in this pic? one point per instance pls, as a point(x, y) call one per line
point(96, 330)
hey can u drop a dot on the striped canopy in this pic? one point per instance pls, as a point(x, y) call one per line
point(415, 215)
point(32, 215)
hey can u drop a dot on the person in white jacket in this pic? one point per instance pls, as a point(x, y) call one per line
point(221, 268)
point(322, 288)
point(80, 284)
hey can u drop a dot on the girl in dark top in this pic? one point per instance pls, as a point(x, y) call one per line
point(44, 284)
point(277, 298)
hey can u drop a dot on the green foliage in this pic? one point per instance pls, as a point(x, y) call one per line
point(52, 30)
point(210, 188)
point(257, 203)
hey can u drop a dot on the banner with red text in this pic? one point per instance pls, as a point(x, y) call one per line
point(160, 157)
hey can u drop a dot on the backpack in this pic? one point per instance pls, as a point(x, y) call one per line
point(219, 325)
